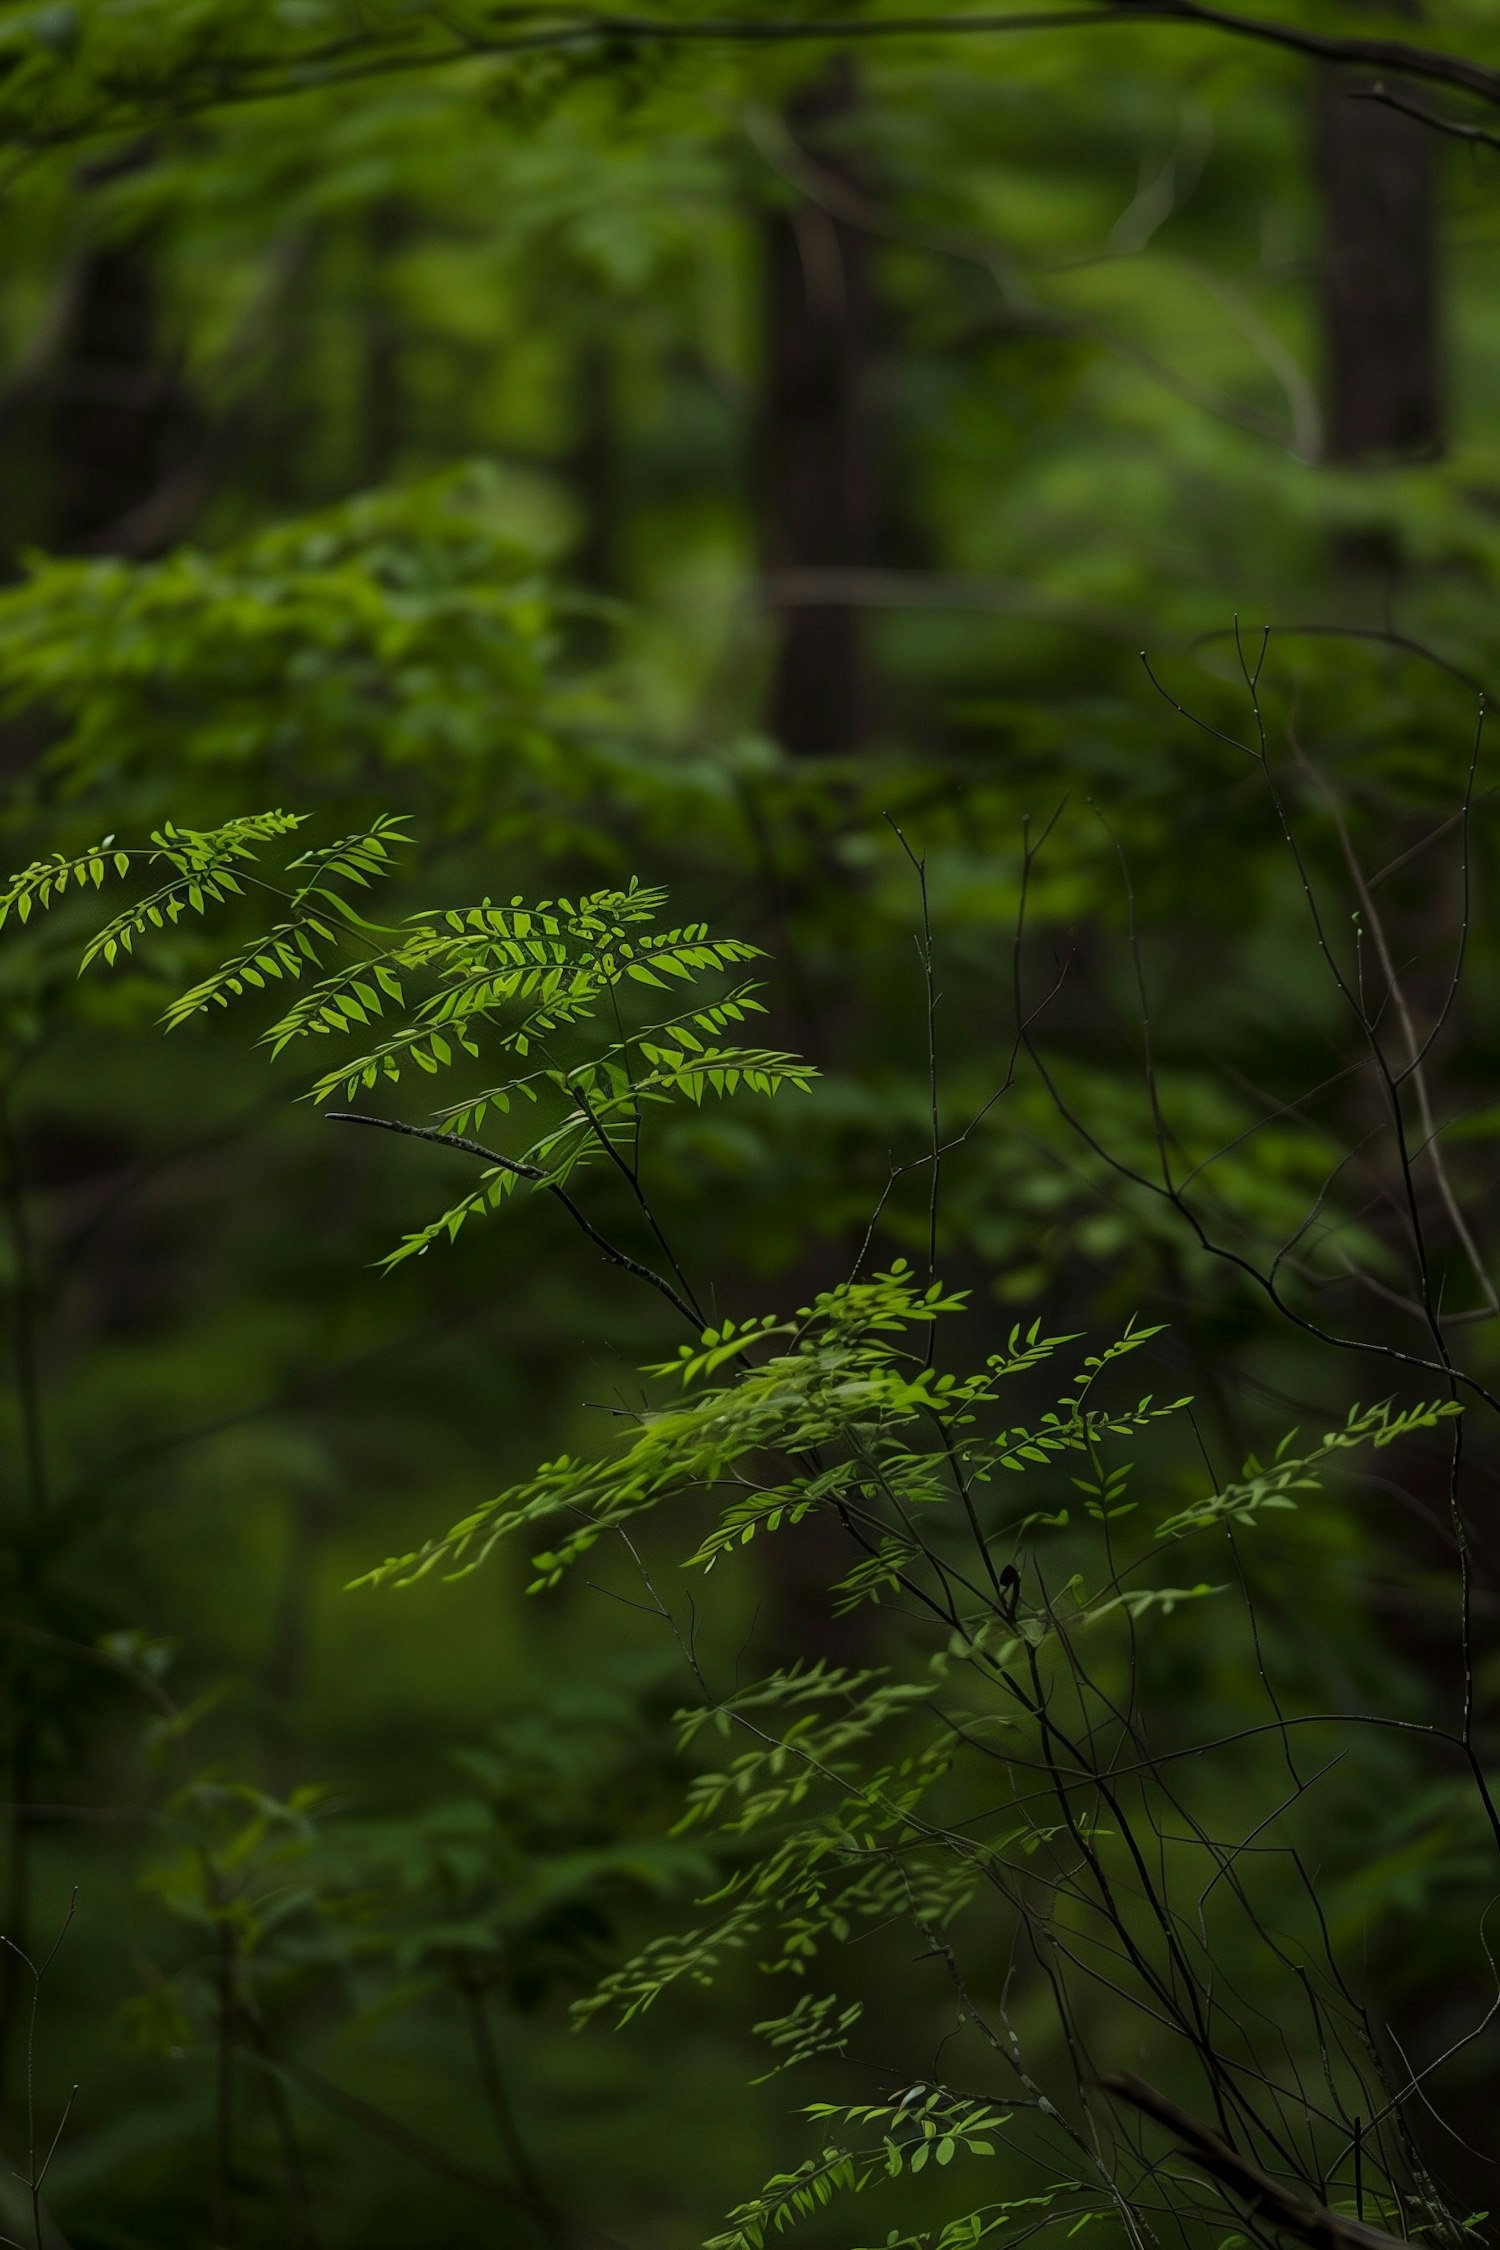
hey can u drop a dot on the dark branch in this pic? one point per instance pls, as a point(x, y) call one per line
point(1452, 126)
point(266, 77)
point(1265, 2198)
point(532, 1172)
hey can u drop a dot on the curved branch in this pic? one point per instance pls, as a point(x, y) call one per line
point(268, 77)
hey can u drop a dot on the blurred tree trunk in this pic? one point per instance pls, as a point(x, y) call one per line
point(594, 467)
point(816, 475)
point(121, 435)
point(109, 442)
point(384, 399)
point(1385, 400)
point(100, 441)
point(816, 485)
point(1383, 358)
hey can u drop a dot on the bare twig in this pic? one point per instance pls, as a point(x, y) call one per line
point(37, 2169)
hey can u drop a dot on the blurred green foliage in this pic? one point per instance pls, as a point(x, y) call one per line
point(383, 422)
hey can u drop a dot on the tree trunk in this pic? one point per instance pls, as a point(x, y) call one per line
point(1383, 356)
point(106, 430)
point(594, 468)
point(815, 468)
point(121, 433)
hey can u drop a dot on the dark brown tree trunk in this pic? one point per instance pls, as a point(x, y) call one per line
point(121, 434)
point(108, 439)
point(1385, 402)
point(99, 444)
point(1383, 360)
point(815, 466)
point(384, 388)
point(594, 468)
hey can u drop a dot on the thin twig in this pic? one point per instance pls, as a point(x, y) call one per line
point(534, 1173)
point(1453, 127)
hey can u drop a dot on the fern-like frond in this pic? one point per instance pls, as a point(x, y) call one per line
point(1275, 1487)
point(202, 861)
point(204, 864)
point(293, 945)
point(362, 859)
point(47, 880)
point(283, 952)
point(359, 993)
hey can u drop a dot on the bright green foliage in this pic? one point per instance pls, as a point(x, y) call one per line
point(838, 1377)
point(503, 983)
point(1264, 1490)
point(925, 2125)
point(317, 916)
point(851, 1810)
point(847, 1813)
point(1026, 2211)
point(204, 864)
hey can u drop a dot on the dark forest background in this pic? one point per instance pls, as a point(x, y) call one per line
point(752, 464)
